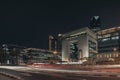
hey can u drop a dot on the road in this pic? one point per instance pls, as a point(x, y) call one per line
point(5, 78)
point(31, 73)
point(45, 75)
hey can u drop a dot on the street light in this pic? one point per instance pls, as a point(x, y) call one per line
point(55, 52)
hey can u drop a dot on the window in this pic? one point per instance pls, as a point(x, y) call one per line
point(108, 55)
point(99, 37)
point(116, 37)
point(115, 34)
point(105, 39)
point(107, 35)
point(92, 45)
point(100, 56)
point(116, 55)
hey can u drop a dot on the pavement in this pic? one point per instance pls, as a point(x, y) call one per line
point(2, 77)
point(23, 72)
point(10, 73)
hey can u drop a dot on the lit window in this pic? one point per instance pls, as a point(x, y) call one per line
point(115, 34)
point(116, 37)
point(116, 55)
point(107, 35)
point(99, 37)
point(105, 39)
point(105, 55)
point(110, 55)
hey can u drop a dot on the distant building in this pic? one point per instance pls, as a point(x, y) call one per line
point(78, 44)
point(11, 53)
point(52, 43)
point(37, 55)
point(95, 23)
point(59, 42)
point(55, 43)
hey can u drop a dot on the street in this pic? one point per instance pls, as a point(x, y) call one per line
point(5, 78)
point(32, 73)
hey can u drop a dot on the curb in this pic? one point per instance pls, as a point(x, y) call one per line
point(11, 76)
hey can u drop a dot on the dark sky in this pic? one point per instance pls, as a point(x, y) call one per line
point(28, 23)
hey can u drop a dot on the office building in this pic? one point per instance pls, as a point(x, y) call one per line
point(78, 44)
point(109, 40)
point(59, 43)
point(37, 55)
point(10, 53)
point(55, 43)
point(108, 46)
point(52, 43)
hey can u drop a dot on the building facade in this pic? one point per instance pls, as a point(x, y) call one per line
point(9, 53)
point(55, 43)
point(37, 55)
point(78, 44)
point(108, 46)
point(109, 40)
point(52, 43)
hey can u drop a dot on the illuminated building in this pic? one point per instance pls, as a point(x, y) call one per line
point(108, 46)
point(52, 43)
point(109, 40)
point(78, 44)
point(55, 43)
point(37, 55)
point(59, 42)
point(10, 53)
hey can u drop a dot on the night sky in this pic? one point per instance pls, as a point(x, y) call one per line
point(28, 23)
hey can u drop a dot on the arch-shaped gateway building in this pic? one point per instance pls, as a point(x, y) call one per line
point(78, 44)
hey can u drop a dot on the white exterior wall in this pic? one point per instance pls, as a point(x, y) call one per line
point(82, 45)
point(81, 40)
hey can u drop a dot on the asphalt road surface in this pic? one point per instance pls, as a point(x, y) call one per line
point(65, 76)
point(59, 76)
point(28, 73)
point(45, 75)
point(5, 78)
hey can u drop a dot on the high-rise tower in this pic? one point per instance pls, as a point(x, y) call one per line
point(95, 23)
point(52, 43)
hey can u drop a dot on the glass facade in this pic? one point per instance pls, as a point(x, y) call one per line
point(92, 47)
point(108, 39)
